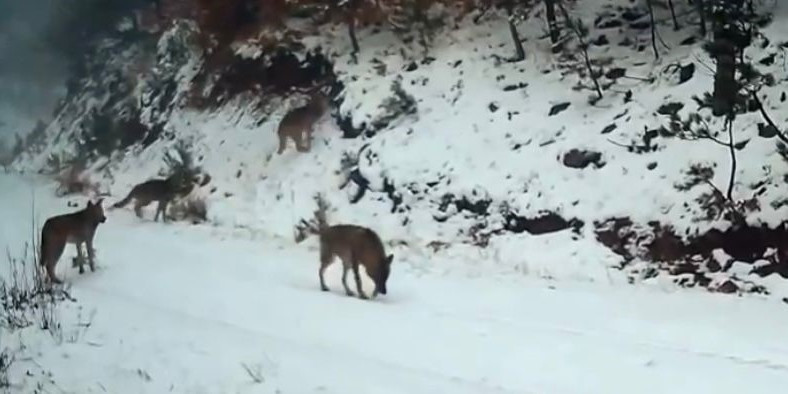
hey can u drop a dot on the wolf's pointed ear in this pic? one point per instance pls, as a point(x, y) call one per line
point(100, 201)
point(389, 259)
point(90, 203)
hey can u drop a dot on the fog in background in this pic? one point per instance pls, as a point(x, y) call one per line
point(32, 74)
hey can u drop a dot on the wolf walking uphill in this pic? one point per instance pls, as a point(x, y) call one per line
point(298, 124)
point(162, 191)
point(77, 228)
point(355, 246)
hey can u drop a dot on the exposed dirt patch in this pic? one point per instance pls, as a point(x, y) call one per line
point(764, 249)
point(545, 223)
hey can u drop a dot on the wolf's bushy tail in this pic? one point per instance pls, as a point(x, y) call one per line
point(315, 226)
point(122, 203)
point(320, 214)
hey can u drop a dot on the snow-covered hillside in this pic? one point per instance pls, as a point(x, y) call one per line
point(505, 166)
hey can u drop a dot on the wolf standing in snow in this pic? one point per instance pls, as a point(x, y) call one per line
point(161, 190)
point(77, 228)
point(355, 246)
point(300, 121)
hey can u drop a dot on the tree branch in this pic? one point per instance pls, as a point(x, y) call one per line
point(583, 46)
point(766, 117)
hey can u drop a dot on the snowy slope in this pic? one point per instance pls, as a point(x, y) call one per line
point(476, 138)
point(181, 308)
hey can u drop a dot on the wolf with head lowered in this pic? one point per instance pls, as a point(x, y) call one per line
point(356, 246)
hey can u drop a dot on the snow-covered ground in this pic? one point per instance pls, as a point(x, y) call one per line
point(178, 308)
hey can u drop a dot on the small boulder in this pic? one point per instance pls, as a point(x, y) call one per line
point(768, 60)
point(580, 159)
point(609, 128)
point(601, 41)
point(727, 287)
point(686, 73)
point(616, 73)
point(558, 108)
point(691, 40)
point(670, 108)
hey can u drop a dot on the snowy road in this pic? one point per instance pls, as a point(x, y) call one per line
point(180, 308)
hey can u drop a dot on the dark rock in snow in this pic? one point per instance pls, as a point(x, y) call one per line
point(779, 268)
point(768, 60)
point(686, 73)
point(626, 42)
point(670, 108)
point(741, 145)
point(601, 41)
point(691, 40)
point(728, 287)
point(580, 159)
point(651, 165)
point(611, 24)
point(632, 15)
point(558, 108)
point(493, 107)
point(547, 222)
point(713, 266)
point(683, 269)
point(509, 88)
point(782, 97)
point(412, 66)
point(766, 131)
point(616, 73)
point(609, 128)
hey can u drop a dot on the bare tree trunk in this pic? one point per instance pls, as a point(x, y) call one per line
point(552, 23)
point(676, 25)
point(732, 149)
point(583, 46)
point(653, 28)
point(701, 8)
point(518, 44)
point(351, 31)
point(725, 86)
point(723, 50)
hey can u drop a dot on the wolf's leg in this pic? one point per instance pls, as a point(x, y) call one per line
point(345, 269)
point(51, 256)
point(80, 258)
point(282, 144)
point(138, 208)
point(358, 281)
point(91, 254)
point(325, 260)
